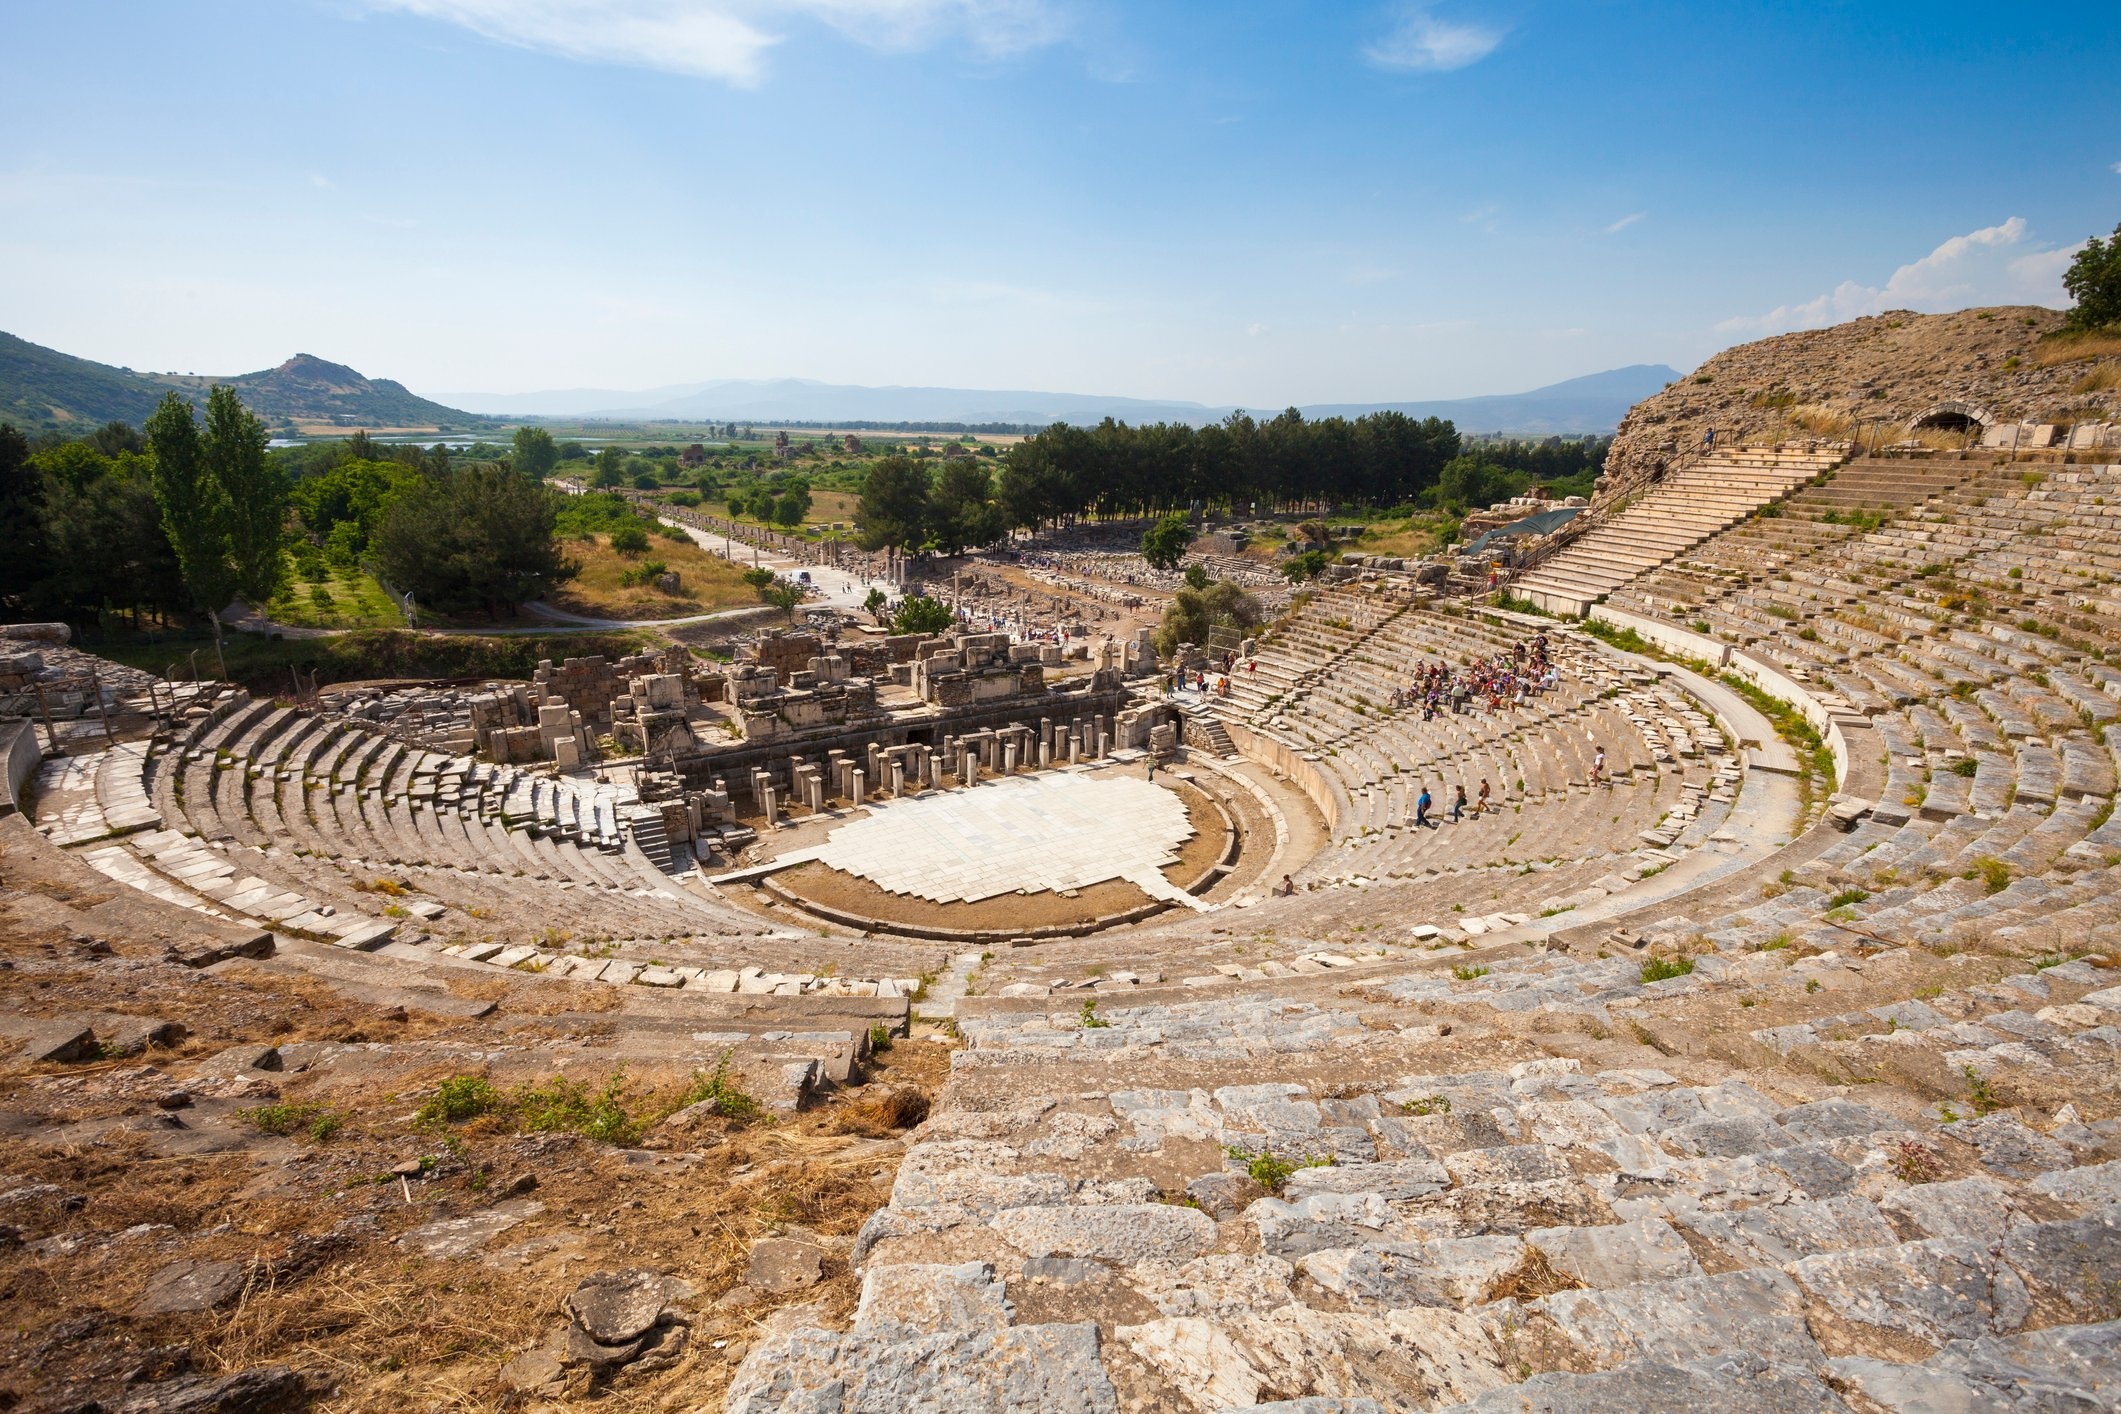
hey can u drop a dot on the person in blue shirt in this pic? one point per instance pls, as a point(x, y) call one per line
point(1421, 808)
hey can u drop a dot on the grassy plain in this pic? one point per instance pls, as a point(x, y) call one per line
point(706, 582)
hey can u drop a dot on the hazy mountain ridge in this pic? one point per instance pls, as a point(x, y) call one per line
point(1594, 403)
point(44, 388)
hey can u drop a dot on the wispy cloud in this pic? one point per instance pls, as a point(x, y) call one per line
point(1624, 222)
point(1426, 43)
point(728, 40)
point(2117, 169)
point(1993, 265)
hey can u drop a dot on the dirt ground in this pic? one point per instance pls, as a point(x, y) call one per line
point(115, 1171)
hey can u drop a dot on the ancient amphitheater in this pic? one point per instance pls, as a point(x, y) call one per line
point(1771, 1065)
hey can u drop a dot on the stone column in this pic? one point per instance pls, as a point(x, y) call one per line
point(1009, 759)
point(968, 767)
point(817, 793)
point(898, 779)
point(773, 808)
point(1045, 753)
point(1075, 749)
point(861, 779)
point(1045, 738)
point(1104, 743)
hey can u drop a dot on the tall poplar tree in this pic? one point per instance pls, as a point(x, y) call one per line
point(194, 508)
point(254, 494)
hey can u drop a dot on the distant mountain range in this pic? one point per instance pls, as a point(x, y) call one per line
point(1594, 403)
point(41, 388)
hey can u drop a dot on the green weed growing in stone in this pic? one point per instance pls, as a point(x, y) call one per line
point(1662, 969)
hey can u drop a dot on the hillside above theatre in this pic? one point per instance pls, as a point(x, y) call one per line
point(1871, 378)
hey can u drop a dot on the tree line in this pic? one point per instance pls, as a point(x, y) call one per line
point(173, 521)
point(1284, 463)
point(180, 517)
point(1381, 460)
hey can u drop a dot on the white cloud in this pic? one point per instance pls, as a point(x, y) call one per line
point(2117, 169)
point(1993, 265)
point(728, 39)
point(1427, 44)
point(1624, 222)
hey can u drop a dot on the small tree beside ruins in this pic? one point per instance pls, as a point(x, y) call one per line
point(1164, 543)
point(920, 614)
point(1195, 614)
point(785, 595)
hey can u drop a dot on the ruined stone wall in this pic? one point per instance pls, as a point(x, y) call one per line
point(735, 763)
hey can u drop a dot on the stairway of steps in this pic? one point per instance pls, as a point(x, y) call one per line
point(1692, 504)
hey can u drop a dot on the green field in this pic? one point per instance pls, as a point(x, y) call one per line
point(346, 598)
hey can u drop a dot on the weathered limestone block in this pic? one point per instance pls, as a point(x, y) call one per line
point(1117, 1232)
point(1935, 1289)
point(935, 1337)
point(1617, 1254)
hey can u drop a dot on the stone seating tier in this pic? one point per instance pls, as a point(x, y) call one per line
point(1706, 1238)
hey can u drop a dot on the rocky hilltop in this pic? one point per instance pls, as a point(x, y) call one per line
point(43, 388)
point(1847, 380)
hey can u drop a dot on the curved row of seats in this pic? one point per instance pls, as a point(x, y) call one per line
point(1971, 632)
point(346, 819)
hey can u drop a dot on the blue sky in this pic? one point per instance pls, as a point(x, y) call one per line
point(1260, 203)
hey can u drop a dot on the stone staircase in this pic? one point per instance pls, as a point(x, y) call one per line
point(1688, 507)
point(1217, 736)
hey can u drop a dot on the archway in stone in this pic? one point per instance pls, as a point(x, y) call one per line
point(1954, 415)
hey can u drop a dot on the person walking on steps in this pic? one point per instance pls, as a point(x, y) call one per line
point(1421, 809)
point(1598, 768)
point(1458, 805)
point(1483, 806)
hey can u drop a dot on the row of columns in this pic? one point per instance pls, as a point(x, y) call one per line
point(844, 775)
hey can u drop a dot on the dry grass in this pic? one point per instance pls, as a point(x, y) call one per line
point(708, 582)
point(2101, 377)
point(879, 1113)
point(2071, 348)
point(1818, 420)
point(1533, 1277)
point(1943, 439)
